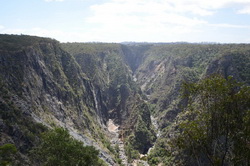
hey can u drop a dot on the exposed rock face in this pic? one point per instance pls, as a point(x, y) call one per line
point(47, 79)
point(165, 66)
point(116, 141)
point(81, 86)
point(46, 84)
point(119, 93)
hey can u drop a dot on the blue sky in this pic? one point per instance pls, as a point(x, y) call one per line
point(223, 21)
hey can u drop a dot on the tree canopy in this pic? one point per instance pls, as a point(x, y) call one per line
point(215, 127)
point(7, 154)
point(59, 148)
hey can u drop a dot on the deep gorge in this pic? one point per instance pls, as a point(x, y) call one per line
point(82, 86)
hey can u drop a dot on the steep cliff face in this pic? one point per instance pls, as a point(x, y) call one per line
point(110, 68)
point(79, 89)
point(82, 86)
point(135, 54)
point(232, 63)
point(48, 79)
point(46, 85)
point(165, 67)
point(102, 63)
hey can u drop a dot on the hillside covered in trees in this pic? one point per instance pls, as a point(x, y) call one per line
point(122, 104)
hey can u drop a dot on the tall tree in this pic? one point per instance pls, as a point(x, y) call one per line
point(216, 123)
point(58, 148)
point(7, 154)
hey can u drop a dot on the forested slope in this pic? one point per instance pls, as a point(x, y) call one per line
point(139, 86)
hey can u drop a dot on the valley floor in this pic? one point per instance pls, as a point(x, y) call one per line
point(114, 130)
point(115, 140)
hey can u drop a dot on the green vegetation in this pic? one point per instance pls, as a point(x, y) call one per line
point(18, 42)
point(161, 154)
point(104, 65)
point(215, 125)
point(139, 133)
point(59, 148)
point(143, 136)
point(16, 127)
point(165, 66)
point(241, 61)
point(85, 84)
point(131, 152)
point(7, 154)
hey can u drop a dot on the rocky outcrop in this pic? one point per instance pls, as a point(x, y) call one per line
point(80, 86)
point(55, 87)
point(113, 75)
point(47, 86)
point(166, 66)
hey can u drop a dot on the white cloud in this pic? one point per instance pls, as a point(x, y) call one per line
point(178, 12)
point(223, 25)
point(1, 27)
point(57, 34)
point(247, 40)
point(11, 31)
point(245, 10)
point(137, 12)
point(210, 4)
point(150, 20)
point(197, 7)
